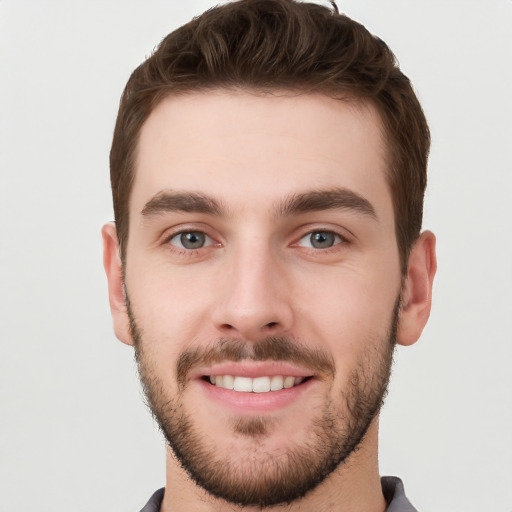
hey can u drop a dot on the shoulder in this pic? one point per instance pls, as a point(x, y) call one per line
point(392, 488)
point(394, 493)
point(153, 505)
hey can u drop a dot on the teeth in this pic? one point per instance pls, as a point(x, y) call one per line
point(242, 384)
point(261, 384)
point(289, 382)
point(276, 383)
point(256, 385)
point(228, 381)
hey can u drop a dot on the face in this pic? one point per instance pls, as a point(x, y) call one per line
point(262, 276)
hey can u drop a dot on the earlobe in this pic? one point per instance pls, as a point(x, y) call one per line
point(417, 289)
point(114, 270)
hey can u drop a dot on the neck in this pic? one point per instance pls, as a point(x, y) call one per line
point(353, 487)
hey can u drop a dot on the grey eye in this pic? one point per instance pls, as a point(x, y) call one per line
point(320, 240)
point(190, 240)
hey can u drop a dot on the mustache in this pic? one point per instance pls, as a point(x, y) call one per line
point(271, 348)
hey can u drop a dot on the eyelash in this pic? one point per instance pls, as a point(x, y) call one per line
point(339, 239)
point(190, 252)
point(183, 251)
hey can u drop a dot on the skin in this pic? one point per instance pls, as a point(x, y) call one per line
point(258, 275)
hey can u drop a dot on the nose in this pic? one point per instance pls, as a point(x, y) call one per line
point(255, 296)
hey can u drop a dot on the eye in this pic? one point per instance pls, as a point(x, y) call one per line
point(320, 240)
point(190, 240)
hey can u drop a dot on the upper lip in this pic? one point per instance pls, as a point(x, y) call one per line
point(252, 369)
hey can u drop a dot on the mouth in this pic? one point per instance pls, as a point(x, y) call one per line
point(263, 384)
point(254, 387)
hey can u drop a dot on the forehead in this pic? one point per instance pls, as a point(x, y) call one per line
point(236, 145)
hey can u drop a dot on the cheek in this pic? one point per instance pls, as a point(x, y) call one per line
point(170, 303)
point(349, 315)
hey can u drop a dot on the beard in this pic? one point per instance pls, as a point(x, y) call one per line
point(259, 477)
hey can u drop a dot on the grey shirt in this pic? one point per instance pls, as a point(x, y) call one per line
point(392, 488)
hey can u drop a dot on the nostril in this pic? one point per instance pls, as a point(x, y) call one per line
point(271, 324)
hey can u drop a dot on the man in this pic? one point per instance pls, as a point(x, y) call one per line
point(268, 169)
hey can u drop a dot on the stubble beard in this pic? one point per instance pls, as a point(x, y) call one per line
point(260, 478)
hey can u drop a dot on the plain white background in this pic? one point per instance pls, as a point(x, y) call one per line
point(74, 432)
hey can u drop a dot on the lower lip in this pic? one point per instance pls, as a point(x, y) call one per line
point(239, 401)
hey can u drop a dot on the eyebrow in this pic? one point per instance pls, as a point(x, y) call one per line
point(317, 200)
point(171, 201)
point(331, 199)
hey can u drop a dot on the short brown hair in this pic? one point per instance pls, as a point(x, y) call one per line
point(268, 45)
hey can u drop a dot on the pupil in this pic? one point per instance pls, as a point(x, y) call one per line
point(192, 240)
point(322, 239)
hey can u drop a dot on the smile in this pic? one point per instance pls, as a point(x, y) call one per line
point(255, 385)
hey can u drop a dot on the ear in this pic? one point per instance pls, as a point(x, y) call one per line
point(417, 289)
point(116, 294)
